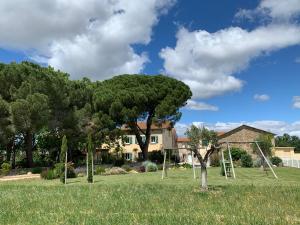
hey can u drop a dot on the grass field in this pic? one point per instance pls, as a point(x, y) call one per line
point(253, 198)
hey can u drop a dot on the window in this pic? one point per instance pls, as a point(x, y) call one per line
point(128, 156)
point(154, 139)
point(128, 140)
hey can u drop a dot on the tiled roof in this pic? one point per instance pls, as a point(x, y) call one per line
point(183, 139)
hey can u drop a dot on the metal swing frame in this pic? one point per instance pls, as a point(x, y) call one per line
point(230, 157)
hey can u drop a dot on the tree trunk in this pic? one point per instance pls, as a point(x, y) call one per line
point(28, 148)
point(9, 148)
point(13, 163)
point(204, 186)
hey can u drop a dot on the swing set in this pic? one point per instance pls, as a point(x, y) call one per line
point(227, 166)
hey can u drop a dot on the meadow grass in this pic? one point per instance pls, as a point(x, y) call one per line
point(253, 198)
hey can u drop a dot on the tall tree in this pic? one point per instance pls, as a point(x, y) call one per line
point(128, 99)
point(288, 141)
point(195, 135)
point(30, 115)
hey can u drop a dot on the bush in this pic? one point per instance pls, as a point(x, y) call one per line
point(160, 166)
point(187, 165)
point(236, 153)
point(257, 162)
point(99, 170)
point(150, 166)
point(36, 170)
point(5, 168)
point(156, 156)
point(246, 160)
point(49, 175)
point(126, 167)
point(142, 169)
point(119, 162)
point(276, 160)
point(59, 171)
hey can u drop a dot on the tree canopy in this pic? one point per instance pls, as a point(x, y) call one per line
point(128, 99)
point(288, 141)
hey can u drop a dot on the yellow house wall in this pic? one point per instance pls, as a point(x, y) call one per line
point(286, 152)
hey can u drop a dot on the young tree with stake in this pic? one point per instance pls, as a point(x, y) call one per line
point(64, 157)
point(196, 134)
point(90, 163)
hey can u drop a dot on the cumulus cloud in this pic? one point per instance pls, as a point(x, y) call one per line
point(85, 37)
point(274, 9)
point(274, 126)
point(296, 102)
point(201, 106)
point(261, 98)
point(208, 62)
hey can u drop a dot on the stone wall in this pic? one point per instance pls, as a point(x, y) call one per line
point(243, 135)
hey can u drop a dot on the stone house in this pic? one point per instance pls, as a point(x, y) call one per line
point(242, 135)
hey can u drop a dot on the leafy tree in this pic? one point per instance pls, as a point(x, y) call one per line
point(128, 99)
point(30, 115)
point(195, 135)
point(288, 141)
point(265, 144)
point(6, 128)
point(90, 159)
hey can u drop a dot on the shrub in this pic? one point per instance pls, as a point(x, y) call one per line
point(150, 166)
point(119, 162)
point(236, 153)
point(160, 166)
point(187, 165)
point(142, 169)
point(246, 160)
point(115, 171)
point(36, 170)
point(276, 160)
point(99, 170)
point(126, 167)
point(5, 168)
point(257, 162)
point(156, 156)
point(59, 171)
point(49, 175)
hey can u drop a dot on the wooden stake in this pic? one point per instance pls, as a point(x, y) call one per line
point(66, 167)
point(164, 165)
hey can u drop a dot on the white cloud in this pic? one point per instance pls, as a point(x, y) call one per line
point(201, 106)
point(261, 98)
point(208, 62)
point(277, 127)
point(296, 102)
point(84, 37)
point(275, 9)
point(297, 60)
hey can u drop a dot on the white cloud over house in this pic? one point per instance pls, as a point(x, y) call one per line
point(84, 37)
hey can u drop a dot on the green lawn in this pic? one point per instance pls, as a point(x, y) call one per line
point(253, 198)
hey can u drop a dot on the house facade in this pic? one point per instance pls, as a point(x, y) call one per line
point(162, 137)
point(242, 136)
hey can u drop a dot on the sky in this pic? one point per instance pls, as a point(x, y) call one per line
point(241, 58)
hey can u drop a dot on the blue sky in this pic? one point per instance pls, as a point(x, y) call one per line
point(241, 58)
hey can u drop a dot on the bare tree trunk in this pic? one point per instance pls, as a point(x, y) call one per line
point(204, 186)
point(28, 148)
point(13, 163)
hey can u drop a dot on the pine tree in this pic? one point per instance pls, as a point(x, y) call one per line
point(90, 159)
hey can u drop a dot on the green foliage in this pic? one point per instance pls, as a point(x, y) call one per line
point(265, 143)
point(246, 160)
point(236, 153)
point(150, 166)
point(156, 156)
point(276, 160)
point(37, 170)
point(187, 165)
point(130, 98)
point(119, 161)
point(288, 141)
point(99, 170)
point(49, 174)
point(115, 171)
point(5, 168)
point(90, 158)
point(215, 160)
